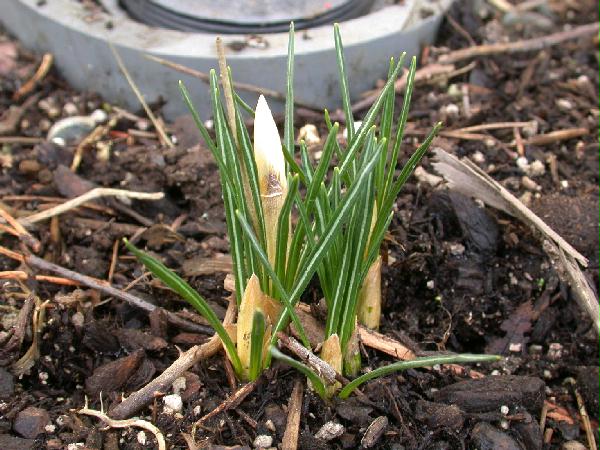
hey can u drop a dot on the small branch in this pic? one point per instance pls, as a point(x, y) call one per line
point(290, 436)
point(520, 46)
point(138, 423)
point(421, 75)
point(90, 195)
point(38, 76)
point(24, 140)
point(90, 139)
point(493, 126)
point(20, 275)
point(157, 125)
point(230, 402)
point(21, 232)
point(557, 136)
point(568, 272)
point(236, 84)
point(324, 370)
point(139, 399)
point(107, 289)
point(384, 344)
point(585, 418)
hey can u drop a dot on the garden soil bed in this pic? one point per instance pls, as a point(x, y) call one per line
point(458, 277)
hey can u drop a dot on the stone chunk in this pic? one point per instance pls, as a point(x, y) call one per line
point(31, 422)
point(490, 393)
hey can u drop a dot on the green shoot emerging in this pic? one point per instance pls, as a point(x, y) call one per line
point(288, 220)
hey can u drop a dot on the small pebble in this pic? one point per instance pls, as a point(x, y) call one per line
point(450, 111)
point(555, 351)
point(456, 249)
point(309, 134)
point(29, 166)
point(564, 104)
point(141, 438)
point(515, 347)
point(70, 109)
point(478, 157)
point(99, 116)
point(31, 422)
point(504, 410)
point(143, 125)
point(329, 431)
point(263, 441)
point(173, 403)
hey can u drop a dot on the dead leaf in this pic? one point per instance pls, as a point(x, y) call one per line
point(207, 266)
point(516, 326)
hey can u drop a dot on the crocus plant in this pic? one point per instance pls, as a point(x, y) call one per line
point(288, 220)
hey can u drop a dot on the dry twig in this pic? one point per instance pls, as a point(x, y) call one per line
point(236, 84)
point(557, 136)
point(88, 196)
point(145, 395)
point(157, 125)
point(38, 76)
point(107, 289)
point(290, 436)
point(138, 423)
point(520, 46)
point(20, 231)
point(585, 418)
point(323, 370)
point(230, 402)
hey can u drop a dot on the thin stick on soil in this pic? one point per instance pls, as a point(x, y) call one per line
point(38, 76)
point(12, 255)
point(20, 275)
point(324, 370)
point(526, 45)
point(139, 423)
point(585, 418)
point(557, 136)
point(230, 402)
point(90, 195)
point(107, 289)
point(236, 84)
point(157, 125)
point(384, 344)
point(292, 428)
point(23, 140)
point(22, 233)
point(493, 126)
point(113, 260)
point(143, 397)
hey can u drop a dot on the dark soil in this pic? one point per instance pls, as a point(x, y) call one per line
point(459, 277)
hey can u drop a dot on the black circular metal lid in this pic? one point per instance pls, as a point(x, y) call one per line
point(242, 16)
